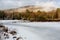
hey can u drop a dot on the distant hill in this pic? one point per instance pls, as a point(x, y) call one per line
point(30, 8)
point(32, 13)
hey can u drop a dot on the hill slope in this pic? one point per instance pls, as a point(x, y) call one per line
point(30, 8)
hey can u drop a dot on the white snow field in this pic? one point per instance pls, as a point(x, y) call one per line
point(34, 30)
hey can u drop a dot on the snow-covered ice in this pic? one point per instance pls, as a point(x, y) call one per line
point(34, 30)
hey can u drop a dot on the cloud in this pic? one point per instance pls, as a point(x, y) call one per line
point(10, 4)
point(5, 4)
point(47, 6)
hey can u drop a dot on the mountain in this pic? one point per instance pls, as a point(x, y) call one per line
point(33, 8)
point(39, 13)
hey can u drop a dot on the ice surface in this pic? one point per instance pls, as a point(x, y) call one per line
point(35, 30)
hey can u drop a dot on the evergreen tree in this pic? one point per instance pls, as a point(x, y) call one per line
point(2, 15)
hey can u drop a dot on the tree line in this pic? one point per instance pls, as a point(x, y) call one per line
point(30, 15)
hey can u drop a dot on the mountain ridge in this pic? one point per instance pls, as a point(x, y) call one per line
point(33, 8)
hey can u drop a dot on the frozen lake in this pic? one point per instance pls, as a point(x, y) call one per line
point(35, 30)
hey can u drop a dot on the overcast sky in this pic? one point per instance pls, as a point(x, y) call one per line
point(5, 4)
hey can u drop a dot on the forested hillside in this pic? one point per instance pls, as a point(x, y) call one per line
point(53, 15)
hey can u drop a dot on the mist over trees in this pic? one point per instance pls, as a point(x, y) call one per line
point(31, 16)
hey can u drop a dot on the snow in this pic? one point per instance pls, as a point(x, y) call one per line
point(24, 33)
point(34, 30)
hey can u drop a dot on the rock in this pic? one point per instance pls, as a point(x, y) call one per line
point(14, 37)
point(5, 29)
point(13, 32)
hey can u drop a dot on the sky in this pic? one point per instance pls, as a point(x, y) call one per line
point(7, 4)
